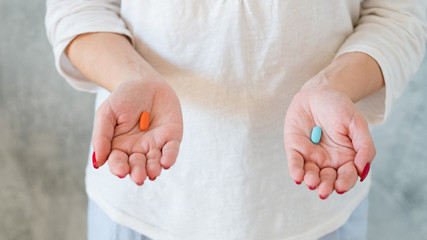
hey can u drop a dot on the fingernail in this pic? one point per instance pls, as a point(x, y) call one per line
point(312, 188)
point(121, 176)
point(298, 182)
point(323, 197)
point(94, 160)
point(365, 171)
point(140, 184)
point(339, 192)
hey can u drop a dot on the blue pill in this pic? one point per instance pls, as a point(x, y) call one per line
point(316, 134)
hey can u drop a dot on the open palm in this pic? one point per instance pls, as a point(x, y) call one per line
point(345, 149)
point(118, 139)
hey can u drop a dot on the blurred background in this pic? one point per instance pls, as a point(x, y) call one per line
point(45, 129)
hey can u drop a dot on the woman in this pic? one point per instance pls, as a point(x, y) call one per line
point(229, 71)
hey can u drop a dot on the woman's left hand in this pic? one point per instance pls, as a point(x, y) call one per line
point(345, 150)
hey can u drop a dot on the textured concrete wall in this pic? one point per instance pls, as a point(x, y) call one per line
point(45, 129)
point(399, 193)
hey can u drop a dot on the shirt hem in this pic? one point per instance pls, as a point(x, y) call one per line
point(154, 232)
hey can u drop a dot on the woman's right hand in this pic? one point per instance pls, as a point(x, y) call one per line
point(118, 139)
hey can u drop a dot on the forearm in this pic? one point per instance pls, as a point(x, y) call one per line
point(355, 74)
point(108, 59)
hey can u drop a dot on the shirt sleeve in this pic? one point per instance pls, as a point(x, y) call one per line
point(394, 33)
point(66, 19)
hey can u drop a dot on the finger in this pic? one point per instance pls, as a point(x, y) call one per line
point(327, 181)
point(347, 178)
point(137, 163)
point(169, 154)
point(103, 133)
point(303, 145)
point(363, 145)
point(295, 165)
point(311, 177)
point(153, 164)
point(118, 163)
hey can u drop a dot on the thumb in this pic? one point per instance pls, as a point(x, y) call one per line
point(362, 143)
point(103, 133)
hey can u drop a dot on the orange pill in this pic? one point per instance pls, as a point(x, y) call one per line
point(144, 121)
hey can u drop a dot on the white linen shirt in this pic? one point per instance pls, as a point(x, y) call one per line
point(235, 66)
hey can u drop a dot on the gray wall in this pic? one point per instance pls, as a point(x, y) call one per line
point(45, 129)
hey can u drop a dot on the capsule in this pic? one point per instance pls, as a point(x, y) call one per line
point(144, 121)
point(316, 134)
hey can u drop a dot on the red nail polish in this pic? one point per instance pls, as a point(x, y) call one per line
point(365, 172)
point(94, 160)
point(339, 192)
point(298, 182)
point(121, 176)
point(323, 197)
point(311, 188)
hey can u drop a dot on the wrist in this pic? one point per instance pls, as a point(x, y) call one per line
point(109, 60)
point(355, 74)
point(134, 72)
